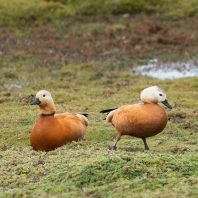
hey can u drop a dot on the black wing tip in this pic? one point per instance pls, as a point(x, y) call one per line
point(85, 114)
point(107, 110)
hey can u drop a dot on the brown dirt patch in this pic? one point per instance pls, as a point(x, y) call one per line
point(176, 118)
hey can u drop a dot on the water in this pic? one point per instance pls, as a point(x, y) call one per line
point(13, 86)
point(163, 71)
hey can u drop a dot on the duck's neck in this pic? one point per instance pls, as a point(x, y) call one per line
point(47, 109)
point(149, 102)
point(46, 115)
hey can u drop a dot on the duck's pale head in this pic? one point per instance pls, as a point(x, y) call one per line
point(154, 94)
point(45, 102)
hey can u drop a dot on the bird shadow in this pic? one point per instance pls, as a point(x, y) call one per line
point(128, 149)
point(131, 149)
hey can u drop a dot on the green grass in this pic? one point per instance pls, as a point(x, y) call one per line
point(85, 63)
point(20, 13)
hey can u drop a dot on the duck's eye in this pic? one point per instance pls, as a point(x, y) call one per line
point(44, 95)
point(160, 94)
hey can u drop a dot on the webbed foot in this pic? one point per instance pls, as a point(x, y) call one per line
point(112, 148)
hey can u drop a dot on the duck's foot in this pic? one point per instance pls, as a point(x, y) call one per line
point(113, 148)
point(146, 148)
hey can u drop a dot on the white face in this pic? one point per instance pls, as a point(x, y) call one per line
point(43, 95)
point(153, 95)
point(45, 102)
point(45, 98)
point(160, 95)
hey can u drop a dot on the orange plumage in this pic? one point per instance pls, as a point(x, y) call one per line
point(141, 120)
point(54, 130)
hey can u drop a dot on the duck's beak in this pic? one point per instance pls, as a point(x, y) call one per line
point(165, 102)
point(36, 102)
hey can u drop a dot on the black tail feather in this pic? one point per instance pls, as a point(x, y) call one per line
point(85, 114)
point(107, 110)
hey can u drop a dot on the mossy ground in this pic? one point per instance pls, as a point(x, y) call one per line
point(85, 62)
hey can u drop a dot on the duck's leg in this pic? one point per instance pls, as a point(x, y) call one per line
point(145, 144)
point(114, 146)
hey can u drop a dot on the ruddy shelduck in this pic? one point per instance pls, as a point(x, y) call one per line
point(141, 120)
point(54, 130)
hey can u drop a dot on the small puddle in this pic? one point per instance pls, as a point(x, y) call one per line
point(163, 71)
point(13, 86)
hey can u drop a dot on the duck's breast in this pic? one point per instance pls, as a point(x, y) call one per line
point(45, 134)
point(51, 132)
point(140, 120)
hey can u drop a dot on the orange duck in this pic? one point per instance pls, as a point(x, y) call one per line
point(140, 120)
point(54, 130)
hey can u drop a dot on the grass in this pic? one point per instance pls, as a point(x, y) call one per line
point(99, 173)
point(85, 63)
point(20, 13)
